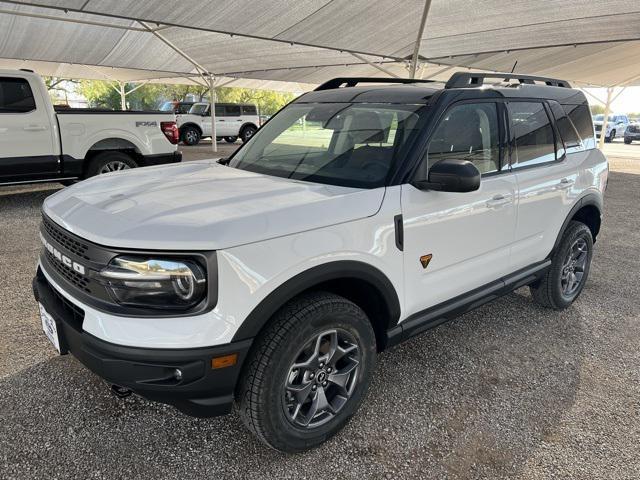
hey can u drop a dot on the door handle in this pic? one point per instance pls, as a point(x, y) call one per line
point(239, 120)
point(565, 184)
point(498, 201)
point(35, 128)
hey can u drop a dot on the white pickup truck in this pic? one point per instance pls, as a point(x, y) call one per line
point(41, 143)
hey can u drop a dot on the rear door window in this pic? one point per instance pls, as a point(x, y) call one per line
point(16, 96)
point(533, 132)
point(232, 110)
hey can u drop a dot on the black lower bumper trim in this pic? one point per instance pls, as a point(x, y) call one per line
point(161, 159)
point(198, 390)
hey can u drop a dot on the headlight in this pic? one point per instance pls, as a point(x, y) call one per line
point(155, 282)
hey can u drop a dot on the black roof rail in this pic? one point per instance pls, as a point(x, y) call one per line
point(353, 81)
point(469, 80)
point(26, 70)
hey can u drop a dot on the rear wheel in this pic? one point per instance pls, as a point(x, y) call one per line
point(611, 136)
point(308, 373)
point(569, 270)
point(190, 135)
point(247, 132)
point(107, 162)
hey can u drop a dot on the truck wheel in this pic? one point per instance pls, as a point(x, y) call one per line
point(190, 135)
point(569, 270)
point(611, 136)
point(108, 161)
point(627, 141)
point(247, 132)
point(231, 139)
point(308, 373)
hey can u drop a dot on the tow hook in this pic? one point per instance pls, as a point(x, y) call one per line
point(120, 392)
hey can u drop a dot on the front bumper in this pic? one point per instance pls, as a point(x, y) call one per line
point(632, 135)
point(202, 391)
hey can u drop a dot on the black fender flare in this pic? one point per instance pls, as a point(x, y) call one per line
point(315, 276)
point(588, 199)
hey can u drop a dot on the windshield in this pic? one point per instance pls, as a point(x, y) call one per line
point(199, 109)
point(600, 118)
point(346, 144)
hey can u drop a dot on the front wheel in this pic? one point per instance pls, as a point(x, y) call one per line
point(190, 136)
point(309, 372)
point(247, 133)
point(569, 270)
point(627, 141)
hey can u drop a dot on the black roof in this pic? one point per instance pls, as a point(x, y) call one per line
point(419, 93)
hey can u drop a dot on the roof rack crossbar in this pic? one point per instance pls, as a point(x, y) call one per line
point(353, 81)
point(467, 80)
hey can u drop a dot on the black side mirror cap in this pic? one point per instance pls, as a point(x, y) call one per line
point(451, 175)
point(224, 161)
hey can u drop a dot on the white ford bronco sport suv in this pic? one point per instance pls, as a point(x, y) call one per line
point(356, 217)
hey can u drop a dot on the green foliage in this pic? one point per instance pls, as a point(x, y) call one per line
point(597, 109)
point(101, 94)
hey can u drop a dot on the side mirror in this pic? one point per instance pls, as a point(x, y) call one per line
point(451, 175)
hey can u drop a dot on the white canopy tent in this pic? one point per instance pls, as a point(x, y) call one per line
point(272, 43)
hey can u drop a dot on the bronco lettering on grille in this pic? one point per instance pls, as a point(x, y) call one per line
point(61, 257)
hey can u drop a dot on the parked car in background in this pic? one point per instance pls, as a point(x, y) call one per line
point(616, 125)
point(41, 143)
point(233, 121)
point(274, 277)
point(179, 108)
point(632, 132)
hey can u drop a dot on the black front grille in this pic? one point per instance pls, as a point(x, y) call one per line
point(71, 244)
point(68, 273)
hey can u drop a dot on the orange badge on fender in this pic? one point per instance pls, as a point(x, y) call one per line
point(425, 259)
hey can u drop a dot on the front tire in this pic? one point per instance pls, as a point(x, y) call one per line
point(190, 136)
point(308, 373)
point(570, 265)
point(627, 141)
point(107, 162)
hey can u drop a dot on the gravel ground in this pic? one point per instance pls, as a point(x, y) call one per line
point(507, 391)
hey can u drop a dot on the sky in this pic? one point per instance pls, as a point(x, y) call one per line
point(627, 102)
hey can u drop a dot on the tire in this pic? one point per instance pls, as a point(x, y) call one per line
point(265, 398)
point(190, 135)
point(627, 141)
point(109, 161)
point(551, 291)
point(611, 136)
point(231, 139)
point(247, 132)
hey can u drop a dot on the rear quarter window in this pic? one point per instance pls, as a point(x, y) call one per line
point(249, 110)
point(580, 117)
point(16, 96)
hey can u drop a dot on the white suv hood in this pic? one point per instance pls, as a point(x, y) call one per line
point(201, 206)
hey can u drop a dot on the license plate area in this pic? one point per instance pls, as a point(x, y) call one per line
point(50, 328)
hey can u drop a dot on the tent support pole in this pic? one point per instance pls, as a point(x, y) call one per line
point(416, 47)
point(374, 65)
point(123, 96)
point(212, 101)
point(607, 110)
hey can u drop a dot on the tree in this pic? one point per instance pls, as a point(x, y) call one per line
point(59, 88)
point(102, 94)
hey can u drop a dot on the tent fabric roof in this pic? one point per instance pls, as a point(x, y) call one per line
point(309, 41)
